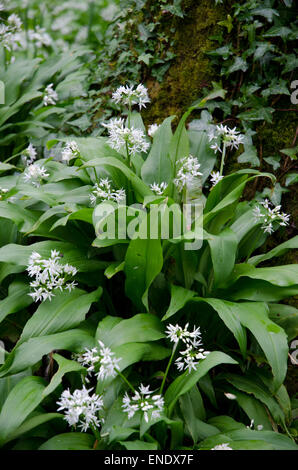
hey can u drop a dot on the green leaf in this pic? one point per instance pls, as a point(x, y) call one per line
point(283, 276)
point(139, 186)
point(277, 251)
point(16, 300)
point(286, 317)
point(270, 336)
point(253, 386)
point(143, 262)
point(21, 401)
point(179, 297)
point(223, 249)
point(186, 381)
point(65, 311)
point(140, 328)
point(65, 366)
point(139, 445)
point(19, 255)
point(31, 352)
point(32, 423)
point(157, 167)
point(69, 441)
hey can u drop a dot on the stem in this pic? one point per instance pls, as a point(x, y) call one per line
point(126, 381)
point(96, 177)
point(222, 160)
point(168, 368)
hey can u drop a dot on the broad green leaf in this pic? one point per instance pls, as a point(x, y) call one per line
point(31, 352)
point(140, 187)
point(139, 445)
point(223, 249)
point(269, 335)
point(282, 276)
point(140, 328)
point(179, 297)
point(285, 316)
point(253, 386)
point(65, 311)
point(65, 366)
point(258, 290)
point(277, 251)
point(16, 300)
point(143, 262)
point(186, 381)
point(33, 422)
point(69, 441)
point(19, 255)
point(21, 401)
point(157, 166)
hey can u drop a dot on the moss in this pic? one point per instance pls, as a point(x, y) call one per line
point(191, 70)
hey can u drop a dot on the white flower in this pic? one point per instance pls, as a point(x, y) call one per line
point(50, 96)
point(49, 275)
point(176, 333)
point(224, 446)
point(104, 191)
point(39, 37)
point(149, 405)
point(3, 191)
point(152, 129)
point(158, 188)
point(194, 352)
point(226, 136)
point(231, 396)
point(271, 217)
point(190, 358)
point(29, 155)
point(14, 22)
point(81, 408)
point(100, 361)
point(127, 95)
point(215, 177)
point(188, 171)
point(121, 137)
point(34, 174)
point(71, 150)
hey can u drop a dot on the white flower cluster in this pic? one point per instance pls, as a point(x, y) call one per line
point(3, 191)
point(129, 96)
point(190, 357)
point(223, 134)
point(121, 137)
point(70, 151)
point(153, 129)
point(40, 37)
point(81, 408)
point(224, 446)
point(100, 361)
point(34, 174)
point(104, 191)
point(271, 217)
point(158, 188)
point(150, 405)
point(10, 31)
point(50, 275)
point(215, 178)
point(29, 155)
point(188, 171)
point(50, 96)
